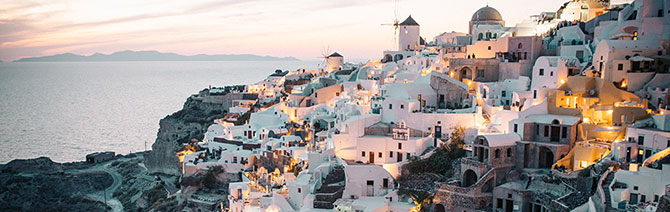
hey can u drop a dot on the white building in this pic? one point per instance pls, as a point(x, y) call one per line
point(552, 71)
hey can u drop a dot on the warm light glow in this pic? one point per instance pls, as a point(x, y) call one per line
point(586, 120)
point(562, 82)
point(451, 74)
point(623, 84)
point(583, 164)
point(610, 112)
point(188, 149)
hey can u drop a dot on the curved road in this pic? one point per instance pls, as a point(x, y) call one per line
point(108, 194)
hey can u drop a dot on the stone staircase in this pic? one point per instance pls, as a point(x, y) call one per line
point(605, 186)
point(331, 189)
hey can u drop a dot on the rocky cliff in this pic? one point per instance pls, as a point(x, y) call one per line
point(190, 122)
point(41, 185)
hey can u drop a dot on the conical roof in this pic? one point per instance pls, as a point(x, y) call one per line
point(409, 21)
point(335, 54)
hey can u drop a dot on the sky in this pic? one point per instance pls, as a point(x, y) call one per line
point(282, 28)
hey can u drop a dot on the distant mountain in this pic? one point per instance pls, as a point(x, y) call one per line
point(151, 56)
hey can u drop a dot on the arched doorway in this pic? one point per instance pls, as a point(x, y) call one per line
point(397, 57)
point(546, 158)
point(469, 178)
point(439, 208)
point(466, 73)
point(387, 58)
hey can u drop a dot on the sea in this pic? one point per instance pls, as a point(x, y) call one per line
point(65, 110)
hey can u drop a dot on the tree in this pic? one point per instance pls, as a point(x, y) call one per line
point(421, 199)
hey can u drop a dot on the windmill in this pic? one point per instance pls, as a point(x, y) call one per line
point(396, 22)
point(324, 55)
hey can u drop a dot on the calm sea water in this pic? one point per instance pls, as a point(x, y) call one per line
point(66, 110)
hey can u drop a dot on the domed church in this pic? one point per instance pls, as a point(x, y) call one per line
point(486, 24)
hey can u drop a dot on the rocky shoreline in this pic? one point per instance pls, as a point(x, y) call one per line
point(135, 182)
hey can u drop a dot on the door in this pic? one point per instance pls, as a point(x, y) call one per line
point(628, 154)
point(385, 183)
point(370, 188)
point(372, 157)
point(555, 134)
point(508, 205)
point(399, 157)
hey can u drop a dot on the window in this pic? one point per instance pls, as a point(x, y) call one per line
point(546, 131)
point(380, 154)
point(402, 106)
point(640, 140)
point(489, 47)
point(660, 13)
point(520, 46)
point(551, 73)
point(390, 106)
point(515, 127)
point(668, 145)
point(541, 72)
point(534, 94)
point(480, 73)
point(504, 93)
point(509, 152)
point(399, 145)
point(620, 67)
point(337, 93)
point(564, 134)
point(298, 190)
point(363, 154)
point(391, 154)
point(635, 188)
point(537, 129)
point(316, 95)
point(497, 153)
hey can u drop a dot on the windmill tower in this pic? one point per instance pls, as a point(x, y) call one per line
point(334, 61)
point(409, 38)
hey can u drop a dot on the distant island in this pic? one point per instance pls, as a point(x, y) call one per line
point(151, 56)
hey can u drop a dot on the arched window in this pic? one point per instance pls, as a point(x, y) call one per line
point(509, 152)
point(555, 121)
point(520, 45)
point(497, 153)
point(481, 35)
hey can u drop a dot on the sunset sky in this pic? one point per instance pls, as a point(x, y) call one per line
point(299, 28)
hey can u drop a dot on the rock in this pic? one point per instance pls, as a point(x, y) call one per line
point(37, 165)
point(41, 185)
point(179, 128)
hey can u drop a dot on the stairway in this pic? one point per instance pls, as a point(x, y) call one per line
point(605, 186)
point(331, 189)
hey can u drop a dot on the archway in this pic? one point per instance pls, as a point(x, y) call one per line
point(466, 73)
point(387, 58)
point(469, 178)
point(397, 57)
point(546, 158)
point(439, 208)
